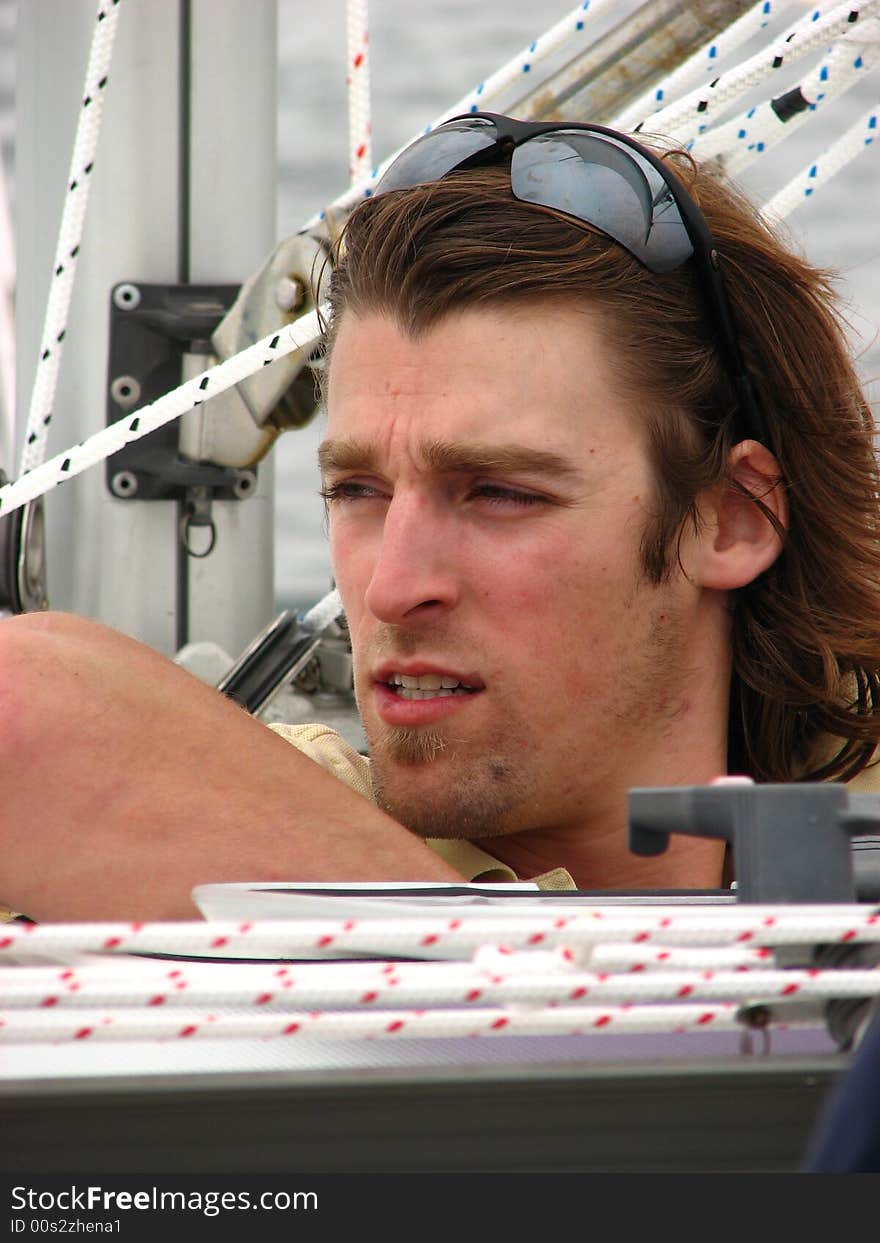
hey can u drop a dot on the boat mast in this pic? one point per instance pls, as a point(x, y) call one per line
point(184, 192)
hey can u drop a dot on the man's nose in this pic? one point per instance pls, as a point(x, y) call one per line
point(416, 573)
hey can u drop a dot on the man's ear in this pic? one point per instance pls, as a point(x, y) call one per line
point(737, 541)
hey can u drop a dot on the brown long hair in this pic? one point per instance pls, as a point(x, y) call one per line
point(805, 695)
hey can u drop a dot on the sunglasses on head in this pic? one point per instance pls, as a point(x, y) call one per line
point(605, 179)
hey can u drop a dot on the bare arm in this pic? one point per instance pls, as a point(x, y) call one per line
point(126, 781)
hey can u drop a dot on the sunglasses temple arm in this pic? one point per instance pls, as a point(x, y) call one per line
point(749, 416)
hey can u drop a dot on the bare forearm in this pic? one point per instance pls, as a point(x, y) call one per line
point(133, 783)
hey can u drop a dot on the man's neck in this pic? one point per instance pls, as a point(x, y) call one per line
point(594, 845)
point(687, 863)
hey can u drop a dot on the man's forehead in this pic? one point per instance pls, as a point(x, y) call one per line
point(498, 392)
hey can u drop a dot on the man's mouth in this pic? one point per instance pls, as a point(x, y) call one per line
point(427, 686)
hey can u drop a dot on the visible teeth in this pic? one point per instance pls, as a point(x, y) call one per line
point(425, 682)
point(409, 692)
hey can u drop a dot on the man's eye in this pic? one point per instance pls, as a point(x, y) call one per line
point(347, 490)
point(498, 494)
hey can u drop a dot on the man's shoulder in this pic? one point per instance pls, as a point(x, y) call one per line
point(478, 866)
point(868, 780)
point(327, 747)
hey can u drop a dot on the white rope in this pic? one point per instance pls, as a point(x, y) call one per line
point(741, 140)
point(360, 155)
point(299, 335)
point(69, 238)
point(671, 958)
point(320, 616)
point(97, 1026)
point(688, 116)
point(334, 986)
point(803, 36)
point(146, 981)
point(853, 142)
point(705, 60)
point(571, 929)
point(542, 987)
point(519, 68)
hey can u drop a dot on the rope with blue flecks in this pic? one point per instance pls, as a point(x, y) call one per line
point(679, 119)
point(695, 69)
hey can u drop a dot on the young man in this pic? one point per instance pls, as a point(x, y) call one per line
point(596, 524)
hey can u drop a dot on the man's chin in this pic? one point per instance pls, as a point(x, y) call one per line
point(437, 791)
point(408, 747)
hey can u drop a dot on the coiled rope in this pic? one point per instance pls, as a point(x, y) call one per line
point(492, 975)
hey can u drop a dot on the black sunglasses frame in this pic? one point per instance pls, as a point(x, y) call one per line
point(511, 132)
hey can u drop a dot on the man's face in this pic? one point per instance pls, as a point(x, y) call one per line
point(488, 491)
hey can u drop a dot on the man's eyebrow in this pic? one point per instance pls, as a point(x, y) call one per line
point(453, 457)
point(348, 454)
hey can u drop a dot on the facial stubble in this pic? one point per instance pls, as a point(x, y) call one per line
point(429, 783)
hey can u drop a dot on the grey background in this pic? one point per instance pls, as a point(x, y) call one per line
point(426, 55)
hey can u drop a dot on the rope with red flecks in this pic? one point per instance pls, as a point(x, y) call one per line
point(360, 155)
point(471, 976)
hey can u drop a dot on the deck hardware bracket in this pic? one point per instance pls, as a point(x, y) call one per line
point(796, 842)
point(152, 326)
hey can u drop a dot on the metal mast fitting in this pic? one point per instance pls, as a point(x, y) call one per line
point(152, 328)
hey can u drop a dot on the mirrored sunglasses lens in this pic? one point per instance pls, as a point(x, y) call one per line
point(434, 155)
point(602, 183)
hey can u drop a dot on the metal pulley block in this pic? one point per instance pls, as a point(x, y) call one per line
point(23, 558)
point(290, 284)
